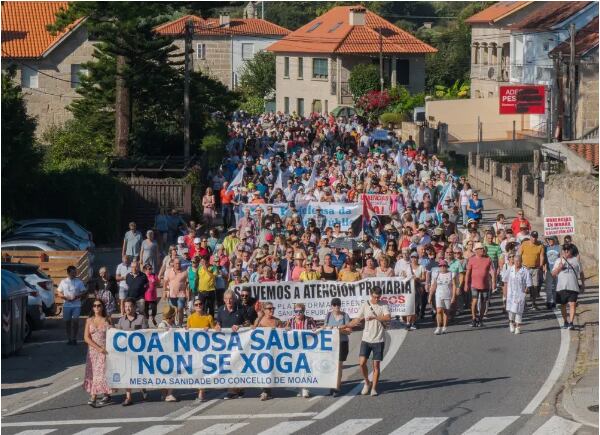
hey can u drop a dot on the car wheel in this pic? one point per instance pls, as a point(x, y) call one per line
point(28, 328)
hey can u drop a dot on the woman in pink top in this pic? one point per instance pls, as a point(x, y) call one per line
point(150, 296)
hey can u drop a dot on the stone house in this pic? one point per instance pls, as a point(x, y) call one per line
point(490, 45)
point(314, 62)
point(47, 66)
point(222, 45)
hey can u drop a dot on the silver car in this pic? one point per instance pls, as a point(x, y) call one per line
point(38, 280)
point(35, 232)
point(68, 226)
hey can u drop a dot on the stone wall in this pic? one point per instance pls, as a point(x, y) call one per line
point(577, 196)
point(587, 96)
point(48, 102)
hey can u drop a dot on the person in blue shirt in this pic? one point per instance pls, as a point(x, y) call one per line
point(338, 258)
point(552, 252)
point(475, 207)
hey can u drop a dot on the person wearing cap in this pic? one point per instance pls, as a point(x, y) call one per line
point(552, 253)
point(479, 280)
point(519, 221)
point(532, 252)
point(443, 288)
point(340, 320)
point(517, 280)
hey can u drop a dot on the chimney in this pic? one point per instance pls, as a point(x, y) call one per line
point(224, 20)
point(357, 16)
point(427, 24)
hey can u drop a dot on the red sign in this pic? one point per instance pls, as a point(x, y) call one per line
point(516, 100)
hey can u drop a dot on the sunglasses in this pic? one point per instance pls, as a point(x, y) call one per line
point(97, 305)
point(298, 311)
point(245, 295)
point(336, 305)
point(270, 308)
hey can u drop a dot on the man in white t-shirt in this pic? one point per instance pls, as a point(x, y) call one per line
point(121, 273)
point(71, 289)
point(374, 314)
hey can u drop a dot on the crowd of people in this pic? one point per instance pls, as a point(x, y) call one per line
point(434, 235)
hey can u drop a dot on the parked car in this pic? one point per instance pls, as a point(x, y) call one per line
point(35, 317)
point(67, 225)
point(344, 111)
point(79, 243)
point(38, 280)
point(31, 244)
point(42, 237)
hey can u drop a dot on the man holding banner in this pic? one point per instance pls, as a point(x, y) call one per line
point(373, 313)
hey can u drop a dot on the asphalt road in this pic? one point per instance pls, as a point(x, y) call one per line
point(481, 380)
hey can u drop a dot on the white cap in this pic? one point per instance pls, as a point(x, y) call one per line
point(197, 240)
point(180, 239)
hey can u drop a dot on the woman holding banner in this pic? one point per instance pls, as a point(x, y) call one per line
point(338, 319)
point(267, 320)
point(301, 321)
point(95, 366)
point(200, 320)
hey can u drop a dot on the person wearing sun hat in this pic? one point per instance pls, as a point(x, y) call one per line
point(443, 287)
point(480, 278)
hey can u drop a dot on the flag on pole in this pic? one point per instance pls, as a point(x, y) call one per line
point(237, 181)
point(369, 217)
point(279, 182)
point(439, 208)
point(313, 178)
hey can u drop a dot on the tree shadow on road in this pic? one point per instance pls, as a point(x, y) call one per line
point(414, 385)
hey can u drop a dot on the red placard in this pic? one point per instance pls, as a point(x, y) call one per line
point(516, 100)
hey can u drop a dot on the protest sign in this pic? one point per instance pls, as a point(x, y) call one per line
point(397, 293)
point(278, 209)
point(336, 212)
point(381, 203)
point(262, 357)
point(559, 225)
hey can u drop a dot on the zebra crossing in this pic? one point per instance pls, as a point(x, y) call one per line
point(416, 426)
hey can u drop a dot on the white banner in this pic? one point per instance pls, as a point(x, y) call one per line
point(382, 204)
point(336, 213)
point(559, 225)
point(250, 358)
point(397, 293)
point(278, 209)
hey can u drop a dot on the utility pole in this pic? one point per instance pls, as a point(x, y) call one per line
point(122, 109)
point(381, 59)
point(186, 91)
point(572, 82)
point(262, 9)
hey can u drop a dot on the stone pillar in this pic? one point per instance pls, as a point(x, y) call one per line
point(537, 161)
point(393, 78)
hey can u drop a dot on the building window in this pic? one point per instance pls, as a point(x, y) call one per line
point(485, 54)
point(403, 72)
point(316, 106)
point(300, 68)
point(320, 68)
point(286, 105)
point(286, 67)
point(29, 78)
point(247, 51)
point(300, 107)
point(200, 51)
point(475, 54)
point(76, 72)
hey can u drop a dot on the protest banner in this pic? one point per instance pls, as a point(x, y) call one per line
point(249, 358)
point(558, 225)
point(336, 212)
point(397, 293)
point(278, 209)
point(382, 204)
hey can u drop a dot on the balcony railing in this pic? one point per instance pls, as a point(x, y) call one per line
point(493, 72)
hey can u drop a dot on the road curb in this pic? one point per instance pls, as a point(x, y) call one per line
point(580, 390)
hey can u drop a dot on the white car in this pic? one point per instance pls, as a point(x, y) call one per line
point(66, 225)
point(40, 282)
point(34, 232)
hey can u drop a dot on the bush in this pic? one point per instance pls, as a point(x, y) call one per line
point(392, 118)
point(363, 78)
point(253, 105)
point(373, 104)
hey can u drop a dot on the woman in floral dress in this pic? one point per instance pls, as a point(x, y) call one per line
point(95, 337)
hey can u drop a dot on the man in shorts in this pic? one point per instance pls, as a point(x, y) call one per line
point(71, 289)
point(123, 270)
point(480, 271)
point(374, 314)
point(532, 253)
point(176, 289)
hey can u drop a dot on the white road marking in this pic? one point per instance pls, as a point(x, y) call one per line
point(353, 426)
point(159, 429)
point(178, 415)
point(245, 416)
point(558, 426)
point(97, 430)
point(37, 402)
point(397, 337)
point(419, 426)
point(491, 425)
point(555, 373)
point(221, 429)
point(156, 419)
point(287, 427)
point(36, 432)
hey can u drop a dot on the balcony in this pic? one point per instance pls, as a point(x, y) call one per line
point(492, 72)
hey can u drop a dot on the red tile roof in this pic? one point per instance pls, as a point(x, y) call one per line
point(496, 12)
point(551, 14)
point(24, 33)
point(210, 27)
point(332, 33)
point(588, 151)
point(586, 38)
